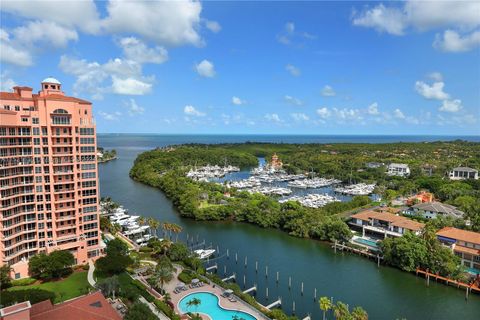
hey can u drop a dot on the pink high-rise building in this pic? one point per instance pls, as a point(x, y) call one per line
point(48, 176)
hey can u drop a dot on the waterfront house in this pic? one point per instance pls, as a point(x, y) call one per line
point(398, 169)
point(92, 306)
point(432, 210)
point(384, 223)
point(465, 244)
point(462, 173)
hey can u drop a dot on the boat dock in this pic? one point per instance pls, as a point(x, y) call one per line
point(473, 287)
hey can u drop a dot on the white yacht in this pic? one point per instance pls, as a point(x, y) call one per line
point(204, 253)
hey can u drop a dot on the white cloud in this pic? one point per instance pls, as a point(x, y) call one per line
point(324, 112)
point(237, 101)
point(290, 36)
point(348, 114)
point(9, 53)
point(435, 91)
point(170, 23)
point(133, 108)
point(130, 86)
point(383, 19)
point(125, 75)
point(273, 117)
point(191, 111)
point(46, 33)
point(294, 71)
point(328, 91)
point(205, 69)
point(299, 117)
point(72, 14)
point(397, 113)
point(293, 101)
point(136, 50)
point(373, 109)
point(421, 15)
point(110, 116)
point(213, 26)
point(436, 76)
point(6, 83)
point(290, 27)
point(451, 105)
point(452, 41)
point(425, 15)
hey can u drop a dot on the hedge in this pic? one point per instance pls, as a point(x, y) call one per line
point(23, 282)
point(165, 308)
point(8, 298)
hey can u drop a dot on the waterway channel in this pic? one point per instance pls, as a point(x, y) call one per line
point(386, 293)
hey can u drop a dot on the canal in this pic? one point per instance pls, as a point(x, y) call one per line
point(385, 293)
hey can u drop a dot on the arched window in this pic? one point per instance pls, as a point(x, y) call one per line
point(60, 111)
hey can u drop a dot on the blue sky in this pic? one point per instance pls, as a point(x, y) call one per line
point(254, 67)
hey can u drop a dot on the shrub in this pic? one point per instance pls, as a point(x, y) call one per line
point(185, 277)
point(8, 298)
point(23, 282)
point(165, 308)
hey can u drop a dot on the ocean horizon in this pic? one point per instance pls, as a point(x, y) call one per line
point(212, 138)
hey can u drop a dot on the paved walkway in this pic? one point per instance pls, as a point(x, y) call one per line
point(159, 314)
point(91, 269)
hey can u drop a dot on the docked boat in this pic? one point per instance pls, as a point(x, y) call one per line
point(204, 253)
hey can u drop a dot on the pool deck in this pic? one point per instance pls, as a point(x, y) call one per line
point(224, 303)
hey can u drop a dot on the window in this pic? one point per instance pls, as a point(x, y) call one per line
point(24, 119)
point(88, 175)
point(87, 131)
point(61, 120)
point(87, 149)
point(88, 166)
point(35, 121)
point(60, 111)
point(17, 108)
point(36, 131)
point(87, 140)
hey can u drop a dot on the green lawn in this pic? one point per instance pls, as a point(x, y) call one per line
point(73, 286)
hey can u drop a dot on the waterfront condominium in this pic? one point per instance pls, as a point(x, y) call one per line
point(48, 176)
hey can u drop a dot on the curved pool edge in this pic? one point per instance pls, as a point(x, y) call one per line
point(219, 304)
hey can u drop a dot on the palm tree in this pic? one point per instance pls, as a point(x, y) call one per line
point(165, 246)
point(359, 314)
point(167, 298)
point(195, 302)
point(162, 275)
point(154, 224)
point(325, 305)
point(165, 227)
point(175, 228)
point(141, 221)
point(340, 310)
point(149, 221)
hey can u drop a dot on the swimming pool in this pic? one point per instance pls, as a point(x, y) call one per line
point(209, 306)
point(367, 242)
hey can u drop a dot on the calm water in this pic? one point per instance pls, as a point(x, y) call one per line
point(385, 293)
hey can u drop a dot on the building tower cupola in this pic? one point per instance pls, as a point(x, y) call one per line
point(51, 86)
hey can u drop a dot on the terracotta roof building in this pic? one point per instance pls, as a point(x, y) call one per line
point(465, 244)
point(385, 223)
point(48, 176)
point(90, 307)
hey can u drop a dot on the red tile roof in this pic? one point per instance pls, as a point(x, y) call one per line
point(459, 234)
point(59, 97)
point(395, 220)
point(90, 307)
